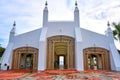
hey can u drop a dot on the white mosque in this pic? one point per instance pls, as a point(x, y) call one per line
point(61, 45)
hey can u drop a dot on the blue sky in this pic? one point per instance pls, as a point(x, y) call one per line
point(94, 14)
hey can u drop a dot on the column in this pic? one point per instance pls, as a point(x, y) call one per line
point(48, 52)
point(35, 67)
point(71, 55)
point(49, 55)
point(105, 59)
point(14, 60)
point(53, 56)
point(87, 57)
point(19, 55)
point(103, 63)
point(108, 60)
point(91, 62)
point(85, 61)
point(37, 60)
point(68, 54)
point(34, 61)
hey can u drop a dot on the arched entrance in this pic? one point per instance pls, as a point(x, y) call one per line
point(96, 58)
point(25, 58)
point(60, 52)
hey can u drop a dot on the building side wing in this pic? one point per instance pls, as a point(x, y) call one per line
point(28, 39)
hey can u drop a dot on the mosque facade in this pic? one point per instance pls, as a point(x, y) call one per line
point(61, 45)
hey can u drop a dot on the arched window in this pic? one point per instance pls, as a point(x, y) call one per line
point(25, 58)
point(96, 58)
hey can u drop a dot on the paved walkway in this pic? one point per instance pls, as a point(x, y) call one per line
point(59, 75)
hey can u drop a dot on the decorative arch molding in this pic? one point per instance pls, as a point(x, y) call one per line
point(58, 37)
point(16, 48)
point(25, 58)
point(96, 58)
point(57, 46)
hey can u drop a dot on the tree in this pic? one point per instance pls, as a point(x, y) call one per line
point(116, 31)
point(1, 51)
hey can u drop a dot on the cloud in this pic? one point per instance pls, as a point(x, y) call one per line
point(101, 9)
point(23, 12)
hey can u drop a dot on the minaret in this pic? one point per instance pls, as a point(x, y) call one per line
point(45, 15)
point(12, 33)
point(76, 15)
point(109, 32)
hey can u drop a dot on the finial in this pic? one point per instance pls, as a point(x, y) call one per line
point(14, 24)
point(46, 3)
point(108, 24)
point(76, 3)
point(13, 29)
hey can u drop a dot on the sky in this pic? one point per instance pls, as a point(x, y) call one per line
point(28, 14)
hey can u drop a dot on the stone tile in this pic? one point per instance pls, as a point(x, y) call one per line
point(60, 75)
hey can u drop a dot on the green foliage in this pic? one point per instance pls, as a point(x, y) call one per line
point(116, 31)
point(1, 51)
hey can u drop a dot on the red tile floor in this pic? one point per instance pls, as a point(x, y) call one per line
point(13, 74)
point(59, 75)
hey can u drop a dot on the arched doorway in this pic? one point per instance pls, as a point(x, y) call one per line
point(60, 52)
point(25, 58)
point(96, 58)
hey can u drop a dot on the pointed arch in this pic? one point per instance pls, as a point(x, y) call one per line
point(96, 58)
point(25, 58)
point(60, 46)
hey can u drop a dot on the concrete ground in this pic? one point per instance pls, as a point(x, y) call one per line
point(59, 75)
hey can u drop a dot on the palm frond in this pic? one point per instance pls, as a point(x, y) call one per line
point(114, 32)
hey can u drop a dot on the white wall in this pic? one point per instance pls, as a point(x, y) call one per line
point(83, 39)
point(7, 57)
point(115, 58)
point(61, 28)
point(79, 56)
point(91, 39)
point(28, 39)
point(42, 50)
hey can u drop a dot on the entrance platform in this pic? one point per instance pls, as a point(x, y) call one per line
point(60, 75)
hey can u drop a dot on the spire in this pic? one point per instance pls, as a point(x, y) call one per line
point(76, 3)
point(46, 4)
point(109, 33)
point(76, 14)
point(14, 24)
point(109, 29)
point(13, 29)
point(108, 24)
point(12, 33)
point(45, 14)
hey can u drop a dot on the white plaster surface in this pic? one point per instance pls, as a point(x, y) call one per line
point(83, 39)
